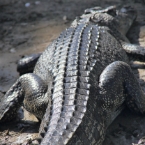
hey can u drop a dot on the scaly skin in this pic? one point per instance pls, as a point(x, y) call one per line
point(82, 80)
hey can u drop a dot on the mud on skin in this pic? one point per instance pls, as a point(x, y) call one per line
point(82, 81)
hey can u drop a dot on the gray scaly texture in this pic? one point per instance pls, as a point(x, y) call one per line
point(82, 81)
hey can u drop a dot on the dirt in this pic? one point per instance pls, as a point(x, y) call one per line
point(28, 26)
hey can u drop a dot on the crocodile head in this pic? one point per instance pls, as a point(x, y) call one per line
point(120, 19)
point(125, 17)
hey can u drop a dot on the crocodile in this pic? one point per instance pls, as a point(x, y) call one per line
point(82, 81)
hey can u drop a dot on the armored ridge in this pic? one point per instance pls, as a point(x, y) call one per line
point(82, 80)
point(71, 67)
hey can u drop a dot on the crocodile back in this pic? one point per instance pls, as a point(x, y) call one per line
point(74, 61)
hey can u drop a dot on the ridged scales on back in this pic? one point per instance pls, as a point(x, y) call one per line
point(81, 81)
point(73, 65)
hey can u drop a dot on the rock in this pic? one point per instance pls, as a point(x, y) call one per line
point(27, 5)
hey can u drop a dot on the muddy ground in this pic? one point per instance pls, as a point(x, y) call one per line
point(28, 26)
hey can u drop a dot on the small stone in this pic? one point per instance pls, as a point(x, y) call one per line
point(12, 50)
point(35, 142)
point(27, 5)
point(65, 19)
point(6, 137)
point(37, 2)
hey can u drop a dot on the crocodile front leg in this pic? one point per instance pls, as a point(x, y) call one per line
point(29, 88)
point(27, 63)
point(135, 52)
